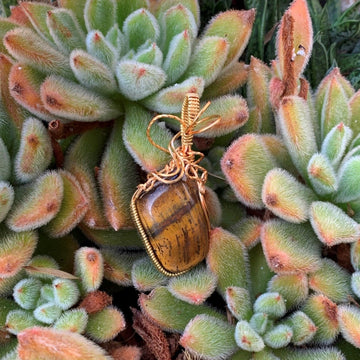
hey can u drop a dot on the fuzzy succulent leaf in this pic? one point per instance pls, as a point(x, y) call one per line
point(248, 231)
point(48, 343)
point(193, 287)
point(5, 25)
point(302, 326)
point(65, 30)
point(332, 225)
point(354, 104)
point(27, 292)
point(324, 313)
point(118, 179)
point(104, 325)
point(89, 267)
point(209, 338)
point(29, 48)
point(73, 207)
point(258, 93)
point(70, 100)
point(5, 165)
point(192, 5)
point(73, 320)
point(18, 320)
point(177, 57)
point(294, 47)
point(290, 248)
point(272, 304)
point(149, 55)
point(35, 152)
point(103, 50)
point(30, 211)
point(81, 161)
point(336, 142)
point(247, 338)
point(139, 27)
point(100, 15)
point(238, 302)
point(208, 59)
point(297, 130)
point(322, 175)
point(118, 265)
point(228, 81)
point(37, 263)
point(279, 336)
point(159, 307)
point(355, 283)
point(6, 199)
point(174, 21)
point(36, 12)
point(349, 317)
point(224, 248)
point(125, 8)
point(24, 85)
point(292, 287)
point(170, 99)
point(92, 73)
point(355, 255)
point(331, 280)
point(235, 26)
point(145, 276)
point(335, 107)
point(66, 293)
point(245, 165)
point(324, 353)
point(47, 313)
point(286, 197)
point(233, 111)
point(349, 187)
point(15, 114)
point(144, 153)
point(259, 322)
point(138, 80)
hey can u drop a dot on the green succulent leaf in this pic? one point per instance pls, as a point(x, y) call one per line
point(36, 13)
point(105, 324)
point(247, 338)
point(29, 48)
point(235, 26)
point(225, 247)
point(144, 153)
point(137, 80)
point(332, 225)
point(103, 50)
point(177, 19)
point(65, 30)
point(100, 15)
point(286, 197)
point(177, 57)
point(208, 59)
point(5, 165)
point(126, 7)
point(36, 203)
point(6, 199)
point(322, 175)
point(92, 73)
point(349, 317)
point(209, 337)
point(139, 27)
point(159, 307)
point(170, 99)
point(70, 100)
point(35, 152)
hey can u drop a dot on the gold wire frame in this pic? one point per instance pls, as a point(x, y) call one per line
point(184, 162)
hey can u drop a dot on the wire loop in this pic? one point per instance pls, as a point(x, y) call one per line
point(185, 161)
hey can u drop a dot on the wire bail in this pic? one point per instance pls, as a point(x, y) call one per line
point(185, 161)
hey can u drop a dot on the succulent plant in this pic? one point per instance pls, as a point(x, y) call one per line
point(51, 312)
point(79, 84)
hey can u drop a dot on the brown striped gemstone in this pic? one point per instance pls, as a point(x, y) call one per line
point(175, 224)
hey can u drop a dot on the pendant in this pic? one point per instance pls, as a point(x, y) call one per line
point(169, 209)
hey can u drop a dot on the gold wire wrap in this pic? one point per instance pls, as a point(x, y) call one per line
point(184, 162)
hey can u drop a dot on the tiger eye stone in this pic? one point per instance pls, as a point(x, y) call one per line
point(175, 224)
